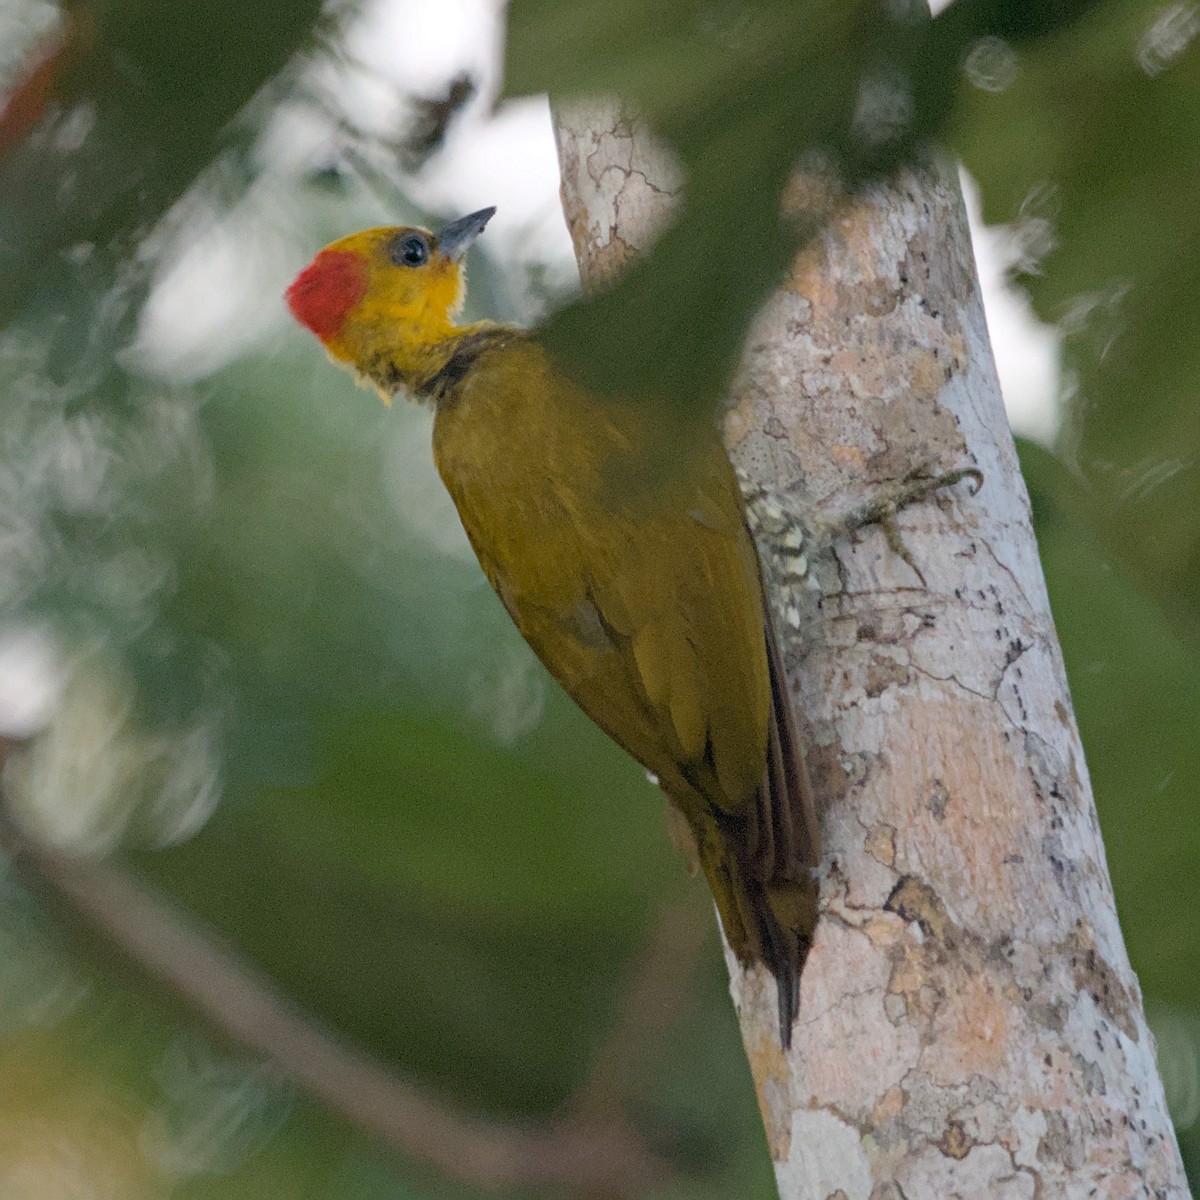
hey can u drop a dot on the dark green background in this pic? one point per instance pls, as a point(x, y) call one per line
point(242, 599)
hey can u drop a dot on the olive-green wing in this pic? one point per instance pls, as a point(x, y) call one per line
point(642, 598)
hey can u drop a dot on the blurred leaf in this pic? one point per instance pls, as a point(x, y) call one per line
point(1091, 154)
point(743, 93)
point(138, 97)
point(1136, 687)
point(740, 92)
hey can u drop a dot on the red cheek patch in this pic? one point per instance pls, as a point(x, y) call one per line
point(323, 295)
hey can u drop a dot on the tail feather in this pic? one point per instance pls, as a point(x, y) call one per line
point(762, 867)
point(760, 858)
point(771, 923)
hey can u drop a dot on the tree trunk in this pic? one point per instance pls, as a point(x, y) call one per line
point(969, 1022)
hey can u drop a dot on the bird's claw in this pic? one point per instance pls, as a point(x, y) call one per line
point(884, 507)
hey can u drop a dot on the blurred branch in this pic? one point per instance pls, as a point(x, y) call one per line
point(431, 121)
point(599, 1156)
point(424, 135)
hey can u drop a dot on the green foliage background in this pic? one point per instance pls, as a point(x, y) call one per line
point(242, 603)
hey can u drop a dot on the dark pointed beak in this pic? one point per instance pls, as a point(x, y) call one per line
point(456, 237)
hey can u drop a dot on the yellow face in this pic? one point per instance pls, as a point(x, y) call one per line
point(377, 288)
point(390, 292)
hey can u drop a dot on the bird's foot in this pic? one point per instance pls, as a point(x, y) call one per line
point(792, 539)
point(889, 499)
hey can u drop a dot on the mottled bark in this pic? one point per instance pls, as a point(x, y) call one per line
point(969, 1022)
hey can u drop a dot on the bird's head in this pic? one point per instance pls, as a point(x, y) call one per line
point(390, 293)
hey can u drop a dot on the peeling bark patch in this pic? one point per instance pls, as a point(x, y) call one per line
point(955, 1142)
point(883, 673)
point(1050, 1015)
point(1058, 1145)
point(1064, 870)
point(880, 844)
point(1091, 1074)
point(975, 989)
point(1049, 774)
point(889, 1108)
point(912, 900)
point(937, 800)
point(1095, 977)
point(879, 298)
point(831, 780)
point(915, 266)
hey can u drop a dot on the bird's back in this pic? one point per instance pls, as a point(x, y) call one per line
point(631, 576)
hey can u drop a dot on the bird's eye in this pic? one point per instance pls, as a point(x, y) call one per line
point(411, 250)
